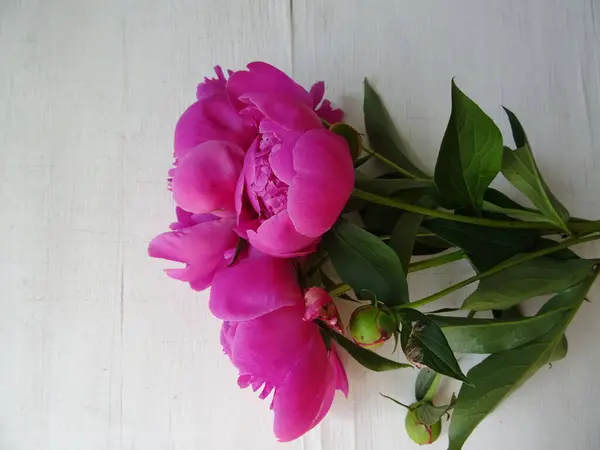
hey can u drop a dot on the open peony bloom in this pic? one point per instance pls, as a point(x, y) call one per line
point(254, 146)
point(200, 241)
point(273, 346)
point(297, 175)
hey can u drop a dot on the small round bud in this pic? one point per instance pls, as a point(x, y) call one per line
point(419, 432)
point(320, 305)
point(370, 327)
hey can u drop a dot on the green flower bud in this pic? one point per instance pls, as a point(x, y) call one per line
point(370, 327)
point(419, 432)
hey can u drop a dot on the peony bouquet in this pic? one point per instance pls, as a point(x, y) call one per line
point(282, 210)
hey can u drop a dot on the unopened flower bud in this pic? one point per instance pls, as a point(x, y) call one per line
point(320, 305)
point(370, 327)
point(419, 432)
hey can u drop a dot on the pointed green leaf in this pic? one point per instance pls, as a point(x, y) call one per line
point(485, 246)
point(429, 245)
point(500, 199)
point(495, 335)
point(367, 358)
point(529, 279)
point(366, 263)
point(519, 167)
point(470, 156)
point(519, 214)
point(383, 136)
point(350, 135)
point(389, 186)
point(423, 342)
point(403, 237)
point(496, 377)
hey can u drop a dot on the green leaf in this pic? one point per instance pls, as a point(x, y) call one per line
point(485, 246)
point(492, 336)
point(560, 351)
point(383, 136)
point(380, 220)
point(428, 413)
point(496, 377)
point(518, 166)
point(367, 358)
point(367, 264)
point(562, 254)
point(529, 279)
point(519, 214)
point(423, 342)
point(429, 245)
point(426, 384)
point(502, 200)
point(404, 236)
point(350, 135)
point(520, 169)
point(389, 186)
point(470, 156)
point(518, 132)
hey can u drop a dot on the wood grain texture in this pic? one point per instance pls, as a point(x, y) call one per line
point(98, 350)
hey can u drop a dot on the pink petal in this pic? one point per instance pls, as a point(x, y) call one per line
point(262, 77)
point(306, 394)
point(249, 171)
point(323, 183)
point(341, 377)
point(205, 178)
point(270, 345)
point(254, 286)
point(227, 336)
point(326, 112)
point(201, 247)
point(317, 91)
point(212, 87)
point(284, 110)
point(277, 236)
point(281, 156)
point(282, 161)
point(211, 119)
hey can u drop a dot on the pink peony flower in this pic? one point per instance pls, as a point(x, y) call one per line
point(254, 146)
point(201, 241)
point(212, 138)
point(297, 175)
point(272, 346)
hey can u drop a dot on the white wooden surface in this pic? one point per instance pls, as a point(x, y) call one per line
point(98, 350)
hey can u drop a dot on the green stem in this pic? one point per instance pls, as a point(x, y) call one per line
point(338, 290)
point(579, 228)
point(499, 268)
point(382, 158)
point(436, 261)
point(392, 164)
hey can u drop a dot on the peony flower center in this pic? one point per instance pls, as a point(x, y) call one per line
point(270, 191)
